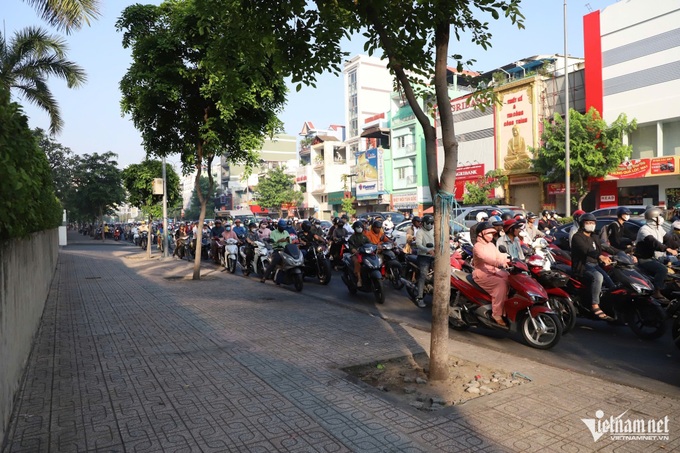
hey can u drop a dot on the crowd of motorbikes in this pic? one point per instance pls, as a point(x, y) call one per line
point(544, 302)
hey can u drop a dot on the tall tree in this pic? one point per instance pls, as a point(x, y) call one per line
point(67, 15)
point(595, 148)
point(97, 186)
point(28, 60)
point(276, 189)
point(197, 92)
point(193, 211)
point(61, 160)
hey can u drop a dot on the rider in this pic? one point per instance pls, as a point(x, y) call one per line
point(488, 274)
point(511, 239)
point(531, 228)
point(616, 233)
point(249, 244)
point(586, 252)
point(215, 235)
point(307, 236)
point(575, 226)
point(544, 222)
point(239, 229)
point(376, 234)
point(280, 238)
point(649, 249)
point(481, 217)
point(425, 248)
point(388, 225)
point(355, 241)
point(416, 223)
point(264, 230)
point(229, 233)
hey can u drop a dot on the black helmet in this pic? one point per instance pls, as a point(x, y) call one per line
point(341, 223)
point(652, 213)
point(358, 225)
point(428, 222)
point(482, 226)
point(506, 216)
point(622, 211)
point(376, 224)
point(289, 222)
point(545, 213)
point(531, 215)
point(416, 219)
point(253, 224)
point(306, 226)
point(588, 217)
point(344, 217)
point(335, 220)
point(317, 221)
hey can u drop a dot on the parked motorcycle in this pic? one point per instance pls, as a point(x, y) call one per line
point(230, 255)
point(630, 301)
point(412, 274)
point(291, 269)
point(316, 263)
point(371, 277)
point(526, 309)
point(392, 268)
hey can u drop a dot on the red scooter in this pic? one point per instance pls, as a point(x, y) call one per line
point(526, 308)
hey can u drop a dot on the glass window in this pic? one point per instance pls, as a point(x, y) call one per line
point(671, 138)
point(643, 140)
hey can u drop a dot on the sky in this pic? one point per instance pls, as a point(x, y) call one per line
point(92, 115)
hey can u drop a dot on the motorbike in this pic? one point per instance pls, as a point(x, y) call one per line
point(372, 280)
point(391, 266)
point(291, 269)
point(630, 301)
point(316, 263)
point(674, 314)
point(526, 308)
point(412, 274)
point(230, 255)
point(143, 238)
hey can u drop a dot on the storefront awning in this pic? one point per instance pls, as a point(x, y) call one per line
point(375, 132)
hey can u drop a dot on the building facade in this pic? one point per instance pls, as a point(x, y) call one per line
point(632, 52)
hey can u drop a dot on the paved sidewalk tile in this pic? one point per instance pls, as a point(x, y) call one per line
point(127, 360)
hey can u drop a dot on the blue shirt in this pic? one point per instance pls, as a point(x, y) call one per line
point(240, 230)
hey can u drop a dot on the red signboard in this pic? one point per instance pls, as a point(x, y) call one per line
point(640, 168)
point(558, 188)
point(465, 174)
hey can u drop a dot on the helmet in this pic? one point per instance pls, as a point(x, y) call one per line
point(485, 227)
point(531, 215)
point(506, 216)
point(344, 217)
point(416, 219)
point(428, 222)
point(376, 224)
point(676, 225)
point(495, 220)
point(587, 217)
point(289, 222)
point(495, 212)
point(622, 211)
point(341, 223)
point(253, 224)
point(317, 222)
point(652, 213)
point(358, 225)
point(509, 224)
point(545, 213)
point(306, 226)
point(577, 214)
point(481, 216)
point(282, 224)
point(519, 216)
point(335, 220)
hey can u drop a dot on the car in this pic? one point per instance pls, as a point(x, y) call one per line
point(398, 234)
point(325, 226)
point(630, 227)
point(635, 211)
point(396, 217)
point(467, 215)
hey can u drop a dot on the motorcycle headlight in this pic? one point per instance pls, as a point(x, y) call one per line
point(536, 298)
point(319, 249)
point(640, 288)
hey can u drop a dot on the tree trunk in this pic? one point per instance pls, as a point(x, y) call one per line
point(148, 238)
point(581, 198)
point(203, 198)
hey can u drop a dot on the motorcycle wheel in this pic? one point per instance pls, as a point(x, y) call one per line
point(565, 310)
point(395, 277)
point(547, 335)
point(675, 331)
point(378, 291)
point(454, 323)
point(324, 272)
point(647, 321)
point(232, 265)
point(412, 291)
point(297, 282)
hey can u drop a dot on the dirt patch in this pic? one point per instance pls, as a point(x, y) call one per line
point(406, 379)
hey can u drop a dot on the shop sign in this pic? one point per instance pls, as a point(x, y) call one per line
point(524, 180)
point(642, 168)
point(558, 188)
point(370, 173)
point(405, 200)
point(336, 197)
point(469, 172)
point(607, 198)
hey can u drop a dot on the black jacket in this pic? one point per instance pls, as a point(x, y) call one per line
point(584, 249)
point(617, 236)
point(672, 240)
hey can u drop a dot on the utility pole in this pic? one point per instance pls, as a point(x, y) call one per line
point(567, 170)
point(165, 213)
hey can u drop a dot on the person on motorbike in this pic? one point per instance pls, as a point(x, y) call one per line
point(376, 234)
point(337, 239)
point(489, 274)
point(331, 230)
point(425, 250)
point(586, 253)
point(511, 240)
point(544, 222)
point(616, 233)
point(672, 239)
point(239, 229)
point(388, 225)
point(289, 226)
point(280, 238)
point(554, 219)
point(215, 236)
point(264, 230)
point(308, 236)
point(411, 231)
point(497, 224)
point(531, 229)
point(249, 243)
point(650, 249)
point(575, 226)
point(229, 233)
point(481, 217)
point(355, 241)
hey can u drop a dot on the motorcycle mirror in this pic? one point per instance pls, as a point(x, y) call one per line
point(502, 249)
point(429, 245)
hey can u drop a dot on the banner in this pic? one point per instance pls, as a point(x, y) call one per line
point(642, 168)
point(369, 169)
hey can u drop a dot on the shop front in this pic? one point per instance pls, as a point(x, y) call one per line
point(405, 201)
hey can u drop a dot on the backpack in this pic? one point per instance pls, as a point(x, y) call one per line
point(604, 235)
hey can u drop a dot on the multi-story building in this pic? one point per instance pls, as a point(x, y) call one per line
point(632, 52)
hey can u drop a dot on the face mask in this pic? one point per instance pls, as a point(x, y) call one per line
point(589, 228)
point(228, 228)
point(252, 230)
point(659, 220)
point(280, 229)
point(625, 217)
point(358, 230)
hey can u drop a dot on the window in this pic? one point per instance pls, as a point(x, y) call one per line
point(401, 173)
point(401, 141)
point(671, 139)
point(644, 141)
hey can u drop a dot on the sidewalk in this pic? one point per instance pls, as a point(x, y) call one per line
point(133, 356)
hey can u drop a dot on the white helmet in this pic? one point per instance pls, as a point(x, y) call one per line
point(482, 216)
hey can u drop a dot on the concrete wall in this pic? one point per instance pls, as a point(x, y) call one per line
point(26, 270)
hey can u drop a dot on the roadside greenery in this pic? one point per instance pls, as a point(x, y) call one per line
point(138, 181)
point(193, 212)
point(479, 191)
point(276, 189)
point(27, 200)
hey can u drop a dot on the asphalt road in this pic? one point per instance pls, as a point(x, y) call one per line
point(593, 348)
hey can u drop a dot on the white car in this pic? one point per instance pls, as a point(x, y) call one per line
point(398, 233)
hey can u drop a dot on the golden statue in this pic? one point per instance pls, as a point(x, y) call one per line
point(517, 157)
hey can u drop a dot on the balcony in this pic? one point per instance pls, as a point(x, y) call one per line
point(321, 188)
point(411, 179)
point(305, 150)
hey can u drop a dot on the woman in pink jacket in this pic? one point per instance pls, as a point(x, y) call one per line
point(488, 262)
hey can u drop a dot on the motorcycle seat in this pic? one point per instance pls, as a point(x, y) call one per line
point(473, 283)
point(412, 258)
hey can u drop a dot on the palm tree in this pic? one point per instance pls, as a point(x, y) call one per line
point(67, 15)
point(28, 60)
